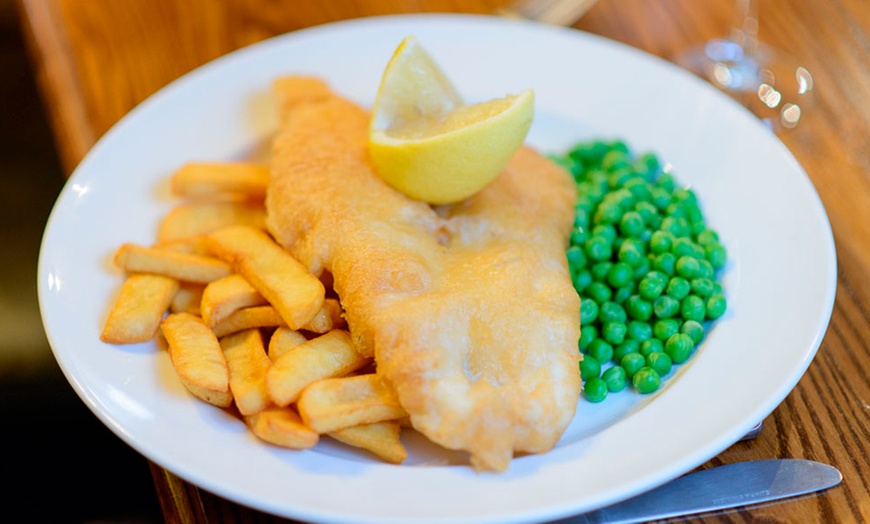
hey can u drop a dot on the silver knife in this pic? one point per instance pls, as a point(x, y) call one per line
point(722, 487)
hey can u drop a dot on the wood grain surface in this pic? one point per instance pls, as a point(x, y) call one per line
point(97, 59)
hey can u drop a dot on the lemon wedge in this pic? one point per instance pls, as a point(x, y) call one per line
point(425, 142)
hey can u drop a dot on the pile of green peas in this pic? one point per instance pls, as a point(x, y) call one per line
point(645, 265)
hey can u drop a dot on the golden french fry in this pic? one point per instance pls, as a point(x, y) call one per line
point(247, 363)
point(195, 245)
point(282, 427)
point(329, 355)
point(328, 318)
point(201, 218)
point(141, 304)
point(288, 285)
point(224, 296)
point(197, 358)
point(381, 438)
point(197, 179)
point(336, 403)
point(181, 266)
point(248, 318)
point(187, 299)
point(283, 340)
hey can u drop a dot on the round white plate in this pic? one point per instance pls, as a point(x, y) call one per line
point(780, 280)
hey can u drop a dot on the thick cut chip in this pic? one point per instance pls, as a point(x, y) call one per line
point(283, 340)
point(247, 363)
point(225, 296)
point(247, 318)
point(187, 299)
point(282, 427)
point(243, 179)
point(201, 218)
point(141, 304)
point(328, 318)
point(288, 285)
point(181, 266)
point(197, 358)
point(380, 438)
point(329, 355)
point(337, 403)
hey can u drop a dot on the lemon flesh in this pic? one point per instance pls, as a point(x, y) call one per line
point(425, 142)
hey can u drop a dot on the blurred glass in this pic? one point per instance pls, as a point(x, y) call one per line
point(770, 82)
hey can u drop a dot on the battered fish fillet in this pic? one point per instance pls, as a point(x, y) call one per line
point(468, 309)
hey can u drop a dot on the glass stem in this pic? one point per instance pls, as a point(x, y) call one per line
point(745, 29)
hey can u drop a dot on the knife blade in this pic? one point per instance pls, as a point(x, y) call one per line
point(722, 487)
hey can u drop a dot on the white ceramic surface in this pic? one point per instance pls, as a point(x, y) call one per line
point(780, 279)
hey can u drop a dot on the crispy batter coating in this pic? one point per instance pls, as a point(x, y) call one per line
point(468, 309)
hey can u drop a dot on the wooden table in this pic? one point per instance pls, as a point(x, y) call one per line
point(96, 59)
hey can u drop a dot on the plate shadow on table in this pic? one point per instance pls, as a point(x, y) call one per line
point(60, 462)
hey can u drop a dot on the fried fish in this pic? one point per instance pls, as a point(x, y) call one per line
point(468, 309)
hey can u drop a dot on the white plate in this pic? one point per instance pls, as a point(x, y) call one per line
point(780, 280)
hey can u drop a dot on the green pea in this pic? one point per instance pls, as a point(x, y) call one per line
point(627, 346)
point(600, 350)
point(651, 287)
point(660, 197)
point(599, 292)
point(663, 329)
point(595, 390)
point(579, 236)
point(638, 308)
point(588, 311)
point(614, 332)
point(647, 211)
point(677, 226)
point(667, 182)
point(716, 254)
point(631, 363)
point(639, 331)
point(660, 362)
point(605, 231)
point(679, 346)
point(693, 308)
point(703, 287)
point(646, 380)
point(685, 247)
point(630, 253)
point(581, 279)
point(615, 378)
point(631, 224)
point(588, 333)
point(639, 187)
point(598, 248)
point(707, 236)
point(620, 274)
point(615, 159)
point(641, 268)
point(581, 217)
point(716, 306)
point(675, 210)
point(694, 329)
point(590, 367)
point(600, 270)
point(705, 269)
point(665, 263)
point(666, 307)
point(624, 293)
point(678, 288)
point(612, 312)
point(647, 164)
point(608, 213)
point(687, 267)
point(576, 258)
point(651, 346)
